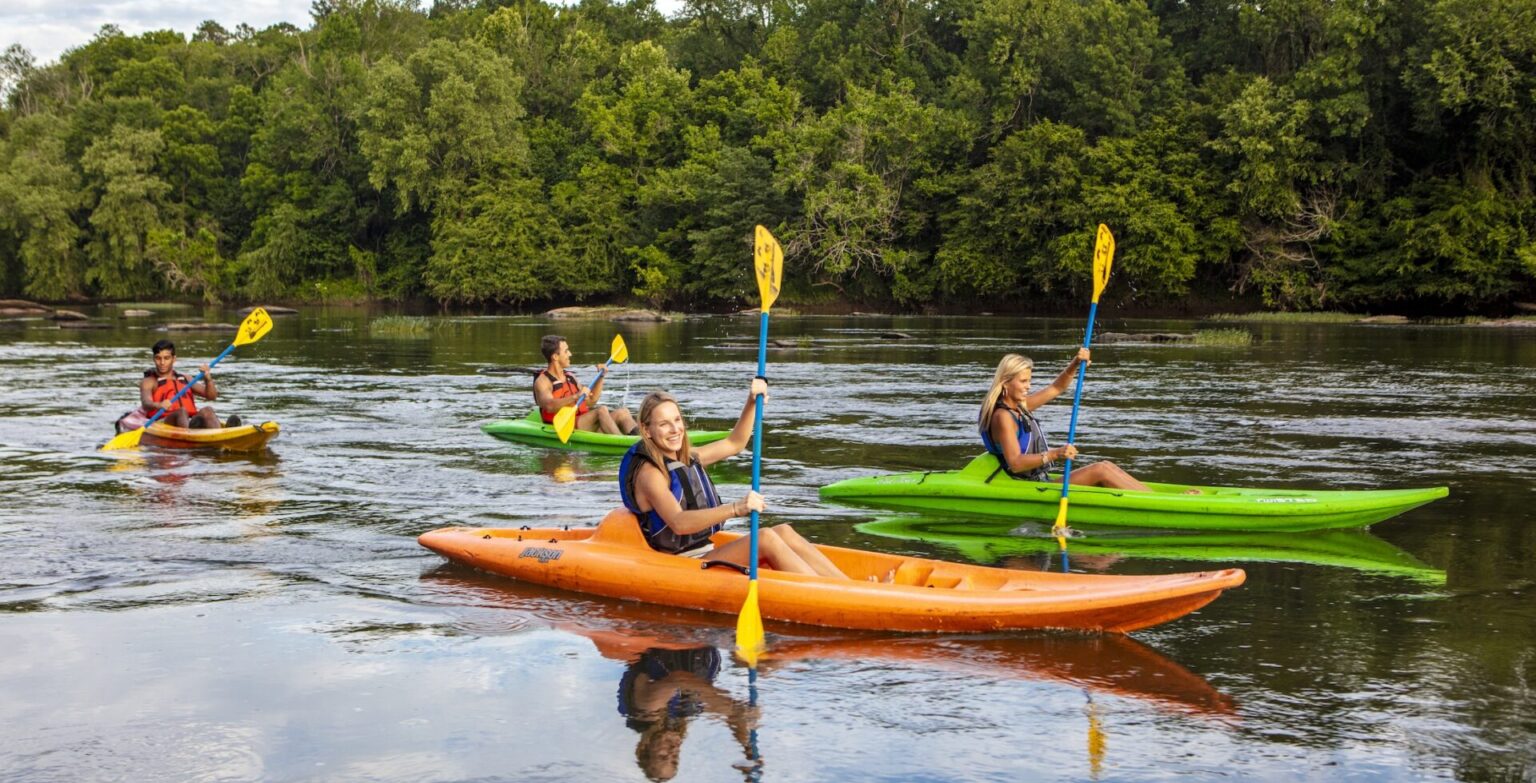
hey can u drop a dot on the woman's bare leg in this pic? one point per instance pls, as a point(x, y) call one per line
point(807, 552)
point(1107, 474)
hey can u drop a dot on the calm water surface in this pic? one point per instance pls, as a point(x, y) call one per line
point(270, 617)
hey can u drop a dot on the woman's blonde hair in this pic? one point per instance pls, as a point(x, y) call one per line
point(1007, 369)
point(648, 406)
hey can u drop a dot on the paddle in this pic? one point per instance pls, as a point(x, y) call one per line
point(768, 264)
point(253, 328)
point(565, 418)
point(1103, 256)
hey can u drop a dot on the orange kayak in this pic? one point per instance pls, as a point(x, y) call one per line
point(247, 437)
point(884, 592)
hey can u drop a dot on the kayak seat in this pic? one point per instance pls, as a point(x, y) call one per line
point(910, 573)
point(621, 528)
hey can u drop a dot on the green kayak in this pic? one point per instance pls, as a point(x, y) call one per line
point(987, 544)
point(982, 488)
point(531, 430)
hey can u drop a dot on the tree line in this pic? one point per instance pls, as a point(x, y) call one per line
point(1309, 153)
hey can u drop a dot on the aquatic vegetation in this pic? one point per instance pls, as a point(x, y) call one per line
point(400, 326)
point(1223, 337)
point(1319, 317)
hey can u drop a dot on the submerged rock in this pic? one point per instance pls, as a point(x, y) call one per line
point(137, 313)
point(1144, 337)
point(271, 310)
point(650, 316)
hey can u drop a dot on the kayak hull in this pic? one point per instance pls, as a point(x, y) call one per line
point(532, 431)
point(247, 437)
point(980, 488)
point(884, 592)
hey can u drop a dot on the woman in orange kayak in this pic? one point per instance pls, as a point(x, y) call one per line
point(1010, 432)
point(662, 481)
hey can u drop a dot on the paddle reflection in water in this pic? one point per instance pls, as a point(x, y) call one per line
point(987, 544)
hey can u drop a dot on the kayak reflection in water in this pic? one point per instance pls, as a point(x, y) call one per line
point(662, 689)
point(663, 482)
point(1010, 432)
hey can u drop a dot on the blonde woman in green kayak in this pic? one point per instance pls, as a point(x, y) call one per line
point(1010, 432)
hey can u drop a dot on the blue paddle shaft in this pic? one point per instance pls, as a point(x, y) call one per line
point(189, 386)
point(1077, 399)
point(757, 436)
point(600, 374)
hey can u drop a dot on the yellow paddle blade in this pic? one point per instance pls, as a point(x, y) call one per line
point(1060, 528)
point(749, 628)
point(619, 351)
point(565, 423)
point(254, 327)
point(125, 440)
point(768, 263)
point(1103, 257)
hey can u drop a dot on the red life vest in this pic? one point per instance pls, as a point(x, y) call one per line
point(166, 388)
point(558, 389)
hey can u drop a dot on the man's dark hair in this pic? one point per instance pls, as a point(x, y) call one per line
point(550, 345)
point(162, 345)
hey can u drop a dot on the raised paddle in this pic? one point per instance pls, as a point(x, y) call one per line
point(565, 418)
point(768, 264)
point(1103, 256)
point(253, 328)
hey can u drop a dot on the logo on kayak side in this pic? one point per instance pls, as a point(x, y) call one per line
point(544, 554)
point(1285, 500)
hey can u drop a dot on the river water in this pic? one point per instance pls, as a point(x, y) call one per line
point(174, 616)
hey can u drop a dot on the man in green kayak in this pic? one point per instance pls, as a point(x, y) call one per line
point(161, 383)
point(556, 387)
point(1010, 432)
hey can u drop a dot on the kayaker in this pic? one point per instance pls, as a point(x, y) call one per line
point(160, 384)
point(662, 480)
point(556, 387)
point(1010, 431)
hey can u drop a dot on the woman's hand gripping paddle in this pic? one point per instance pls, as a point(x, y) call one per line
point(1103, 257)
point(253, 328)
point(565, 418)
point(768, 264)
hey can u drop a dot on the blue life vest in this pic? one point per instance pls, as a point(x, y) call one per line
point(1031, 441)
point(690, 485)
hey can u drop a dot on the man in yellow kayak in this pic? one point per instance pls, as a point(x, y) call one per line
point(161, 383)
point(556, 386)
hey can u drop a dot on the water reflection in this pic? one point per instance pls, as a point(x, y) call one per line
point(1031, 546)
point(662, 688)
point(1111, 664)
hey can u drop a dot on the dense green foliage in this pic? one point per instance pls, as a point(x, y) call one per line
point(1313, 153)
